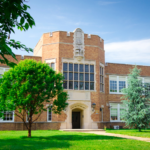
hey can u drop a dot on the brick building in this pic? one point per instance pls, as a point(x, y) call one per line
point(94, 87)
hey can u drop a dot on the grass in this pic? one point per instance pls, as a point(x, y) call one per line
point(49, 140)
point(131, 132)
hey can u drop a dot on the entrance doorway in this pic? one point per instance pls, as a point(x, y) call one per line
point(75, 120)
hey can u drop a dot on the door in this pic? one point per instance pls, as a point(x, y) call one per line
point(75, 120)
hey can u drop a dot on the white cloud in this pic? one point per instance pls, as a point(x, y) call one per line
point(135, 52)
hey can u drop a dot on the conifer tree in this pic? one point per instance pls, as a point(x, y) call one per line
point(136, 99)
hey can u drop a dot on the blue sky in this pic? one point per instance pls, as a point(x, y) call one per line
point(123, 24)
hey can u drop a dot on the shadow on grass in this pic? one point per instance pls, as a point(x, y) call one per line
point(48, 142)
point(75, 137)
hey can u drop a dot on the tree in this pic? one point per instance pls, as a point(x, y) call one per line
point(27, 87)
point(13, 13)
point(136, 98)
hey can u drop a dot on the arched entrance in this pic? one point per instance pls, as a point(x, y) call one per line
point(77, 115)
point(77, 118)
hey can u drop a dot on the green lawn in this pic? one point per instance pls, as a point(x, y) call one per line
point(48, 140)
point(131, 132)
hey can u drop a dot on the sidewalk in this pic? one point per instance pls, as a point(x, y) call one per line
point(120, 135)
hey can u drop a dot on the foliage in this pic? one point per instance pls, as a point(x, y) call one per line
point(136, 99)
point(27, 88)
point(13, 13)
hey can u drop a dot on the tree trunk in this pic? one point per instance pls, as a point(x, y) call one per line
point(139, 129)
point(29, 130)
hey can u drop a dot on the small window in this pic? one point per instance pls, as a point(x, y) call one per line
point(8, 116)
point(116, 111)
point(113, 83)
point(53, 66)
point(101, 79)
point(49, 114)
point(65, 67)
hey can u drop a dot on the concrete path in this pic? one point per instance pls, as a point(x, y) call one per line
point(120, 135)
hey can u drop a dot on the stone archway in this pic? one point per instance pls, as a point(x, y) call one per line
point(78, 115)
point(84, 108)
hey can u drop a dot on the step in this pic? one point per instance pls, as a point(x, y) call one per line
point(81, 130)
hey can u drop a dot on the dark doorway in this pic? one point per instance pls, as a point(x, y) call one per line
point(75, 120)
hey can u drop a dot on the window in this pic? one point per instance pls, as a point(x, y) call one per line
point(116, 112)
point(49, 114)
point(78, 76)
point(8, 117)
point(101, 79)
point(122, 83)
point(113, 83)
point(52, 65)
point(117, 83)
point(2, 70)
point(147, 83)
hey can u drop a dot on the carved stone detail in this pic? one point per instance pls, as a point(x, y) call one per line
point(78, 44)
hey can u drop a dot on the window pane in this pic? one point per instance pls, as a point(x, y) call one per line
point(86, 77)
point(49, 114)
point(121, 113)
point(91, 77)
point(70, 76)
point(113, 86)
point(65, 84)
point(70, 84)
point(70, 67)
point(81, 77)
point(122, 84)
point(65, 67)
point(75, 85)
point(114, 113)
point(76, 67)
point(75, 76)
point(65, 75)
point(86, 68)
point(91, 85)
point(8, 116)
point(100, 70)
point(102, 79)
point(86, 85)
point(91, 68)
point(53, 66)
point(81, 86)
point(81, 68)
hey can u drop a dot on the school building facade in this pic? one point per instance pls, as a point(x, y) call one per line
point(94, 86)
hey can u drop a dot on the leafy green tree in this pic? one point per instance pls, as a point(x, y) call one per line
point(13, 13)
point(136, 99)
point(27, 88)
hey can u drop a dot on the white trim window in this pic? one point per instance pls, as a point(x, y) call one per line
point(8, 116)
point(147, 83)
point(117, 83)
point(51, 62)
point(116, 112)
point(78, 76)
point(49, 114)
point(101, 78)
point(52, 65)
point(2, 70)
